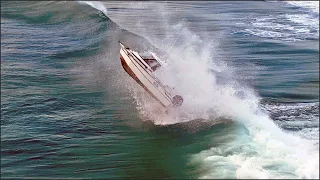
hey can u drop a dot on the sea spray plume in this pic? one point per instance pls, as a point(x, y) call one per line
point(225, 101)
point(97, 5)
point(187, 71)
point(189, 61)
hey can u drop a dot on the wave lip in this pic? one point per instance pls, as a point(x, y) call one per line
point(96, 5)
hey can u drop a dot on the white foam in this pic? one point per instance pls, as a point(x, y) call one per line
point(187, 70)
point(303, 117)
point(278, 27)
point(270, 154)
point(252, 154)
point(204, 98)
point(294, 26)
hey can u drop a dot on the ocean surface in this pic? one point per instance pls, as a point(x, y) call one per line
point(248, 72)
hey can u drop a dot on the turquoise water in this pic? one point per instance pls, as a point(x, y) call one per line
point(248, 71)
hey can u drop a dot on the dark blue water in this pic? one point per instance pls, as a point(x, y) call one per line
point(248, 71)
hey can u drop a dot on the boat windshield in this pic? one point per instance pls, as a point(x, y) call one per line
point(154, 64)
point(151, 61)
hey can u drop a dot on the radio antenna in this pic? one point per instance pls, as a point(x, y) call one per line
point(174, 42)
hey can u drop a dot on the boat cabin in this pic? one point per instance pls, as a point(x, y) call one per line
point(151, 61)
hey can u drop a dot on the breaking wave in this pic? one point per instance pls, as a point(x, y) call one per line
point(97, 5)
point(263, 149)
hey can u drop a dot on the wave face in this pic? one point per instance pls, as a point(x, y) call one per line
point(248, 72)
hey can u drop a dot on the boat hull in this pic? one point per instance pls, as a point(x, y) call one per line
point(136, 70)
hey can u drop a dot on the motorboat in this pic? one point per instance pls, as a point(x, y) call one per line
point(141, 67)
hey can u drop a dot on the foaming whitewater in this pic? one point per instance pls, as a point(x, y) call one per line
point(262, 150)
point(187, 72)
point(299, 118)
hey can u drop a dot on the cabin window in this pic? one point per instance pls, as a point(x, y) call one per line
point(155, 67)
point(152, 63)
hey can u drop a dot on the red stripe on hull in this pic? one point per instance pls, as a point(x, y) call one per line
point(131, 73)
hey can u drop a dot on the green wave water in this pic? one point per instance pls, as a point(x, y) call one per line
point(68, 110)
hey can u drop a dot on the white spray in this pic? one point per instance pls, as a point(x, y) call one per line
point(97, 5)
point(189, 70)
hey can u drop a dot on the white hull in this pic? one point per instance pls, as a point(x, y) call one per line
point(139, 70)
